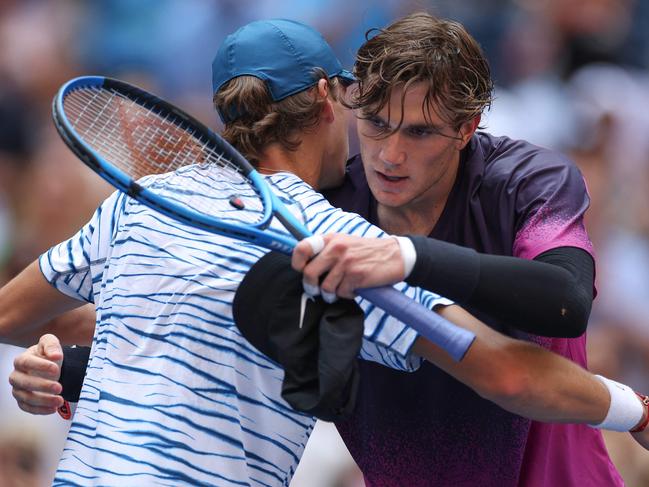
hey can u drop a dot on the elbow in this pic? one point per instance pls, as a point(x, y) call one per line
point(574, 321)
point(574, 310)
point(507, 382)
point(509, 391)
point(573, 314)
point(568, 317)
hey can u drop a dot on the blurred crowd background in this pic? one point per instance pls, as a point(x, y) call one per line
point(570, 74)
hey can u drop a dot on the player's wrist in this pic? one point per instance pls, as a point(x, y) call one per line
point(645, 418)
point(408, 254)
point(628, 411)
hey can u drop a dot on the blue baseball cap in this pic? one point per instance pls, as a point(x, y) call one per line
point(281, 52)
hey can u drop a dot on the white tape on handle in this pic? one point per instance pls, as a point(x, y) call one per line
point(310, 290)
point(316, 242)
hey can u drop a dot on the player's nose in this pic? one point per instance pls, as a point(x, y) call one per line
point(392, 152)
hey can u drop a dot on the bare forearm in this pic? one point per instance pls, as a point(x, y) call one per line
point(75, 327)
point(27, 304)
point(552, 388)
point(521, 377)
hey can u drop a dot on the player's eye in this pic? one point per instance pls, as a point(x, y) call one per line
point(419, 132)
point(377, 123)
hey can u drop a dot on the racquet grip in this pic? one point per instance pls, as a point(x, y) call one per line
point(448, 336)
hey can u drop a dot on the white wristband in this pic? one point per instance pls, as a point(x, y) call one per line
point(408, 254)
point(625, 410)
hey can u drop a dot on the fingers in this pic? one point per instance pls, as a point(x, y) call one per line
point(335, 275)
point(34, 380)
point(37, 403)
point(35, 394)
point(50, 347)
point(305, 250)
point(316, 242)
point(347, 263)
point(23, 381)
point(303, 254)
point(322, 274)
point(329, 272)
point(30, 363)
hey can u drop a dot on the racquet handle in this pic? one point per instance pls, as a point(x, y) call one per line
point(448, 336)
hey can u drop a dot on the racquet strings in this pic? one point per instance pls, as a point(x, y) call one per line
point(140, 141)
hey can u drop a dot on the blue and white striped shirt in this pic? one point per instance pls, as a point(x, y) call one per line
point(174, 395)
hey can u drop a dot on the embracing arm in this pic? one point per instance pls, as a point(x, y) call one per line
point(28, 303)
point(533, 382)
point(550, 296)
point(520, 376)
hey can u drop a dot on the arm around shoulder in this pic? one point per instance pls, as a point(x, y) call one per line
point(519, 376)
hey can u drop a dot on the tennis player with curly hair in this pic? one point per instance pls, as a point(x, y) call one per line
point(499, 224)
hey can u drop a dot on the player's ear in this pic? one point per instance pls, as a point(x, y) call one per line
point(323, 88)
point(327, 113)
point(467, 129)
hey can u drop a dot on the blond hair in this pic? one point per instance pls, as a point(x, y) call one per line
point(260, 120)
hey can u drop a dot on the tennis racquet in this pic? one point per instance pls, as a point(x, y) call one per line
point(125, 135)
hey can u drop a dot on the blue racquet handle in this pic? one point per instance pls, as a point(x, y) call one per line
point(450, 337)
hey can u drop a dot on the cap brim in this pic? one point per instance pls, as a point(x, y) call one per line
point(347, 77)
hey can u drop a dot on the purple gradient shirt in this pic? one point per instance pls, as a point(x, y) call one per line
point(427, 429)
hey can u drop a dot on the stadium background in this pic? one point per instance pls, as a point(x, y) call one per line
point(570, 74)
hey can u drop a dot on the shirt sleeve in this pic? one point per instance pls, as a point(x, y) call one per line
point(550, 205)
point(386, 340)
point(75, 265)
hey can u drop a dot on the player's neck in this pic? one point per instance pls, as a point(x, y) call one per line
point(410, 220)
point(305, 162)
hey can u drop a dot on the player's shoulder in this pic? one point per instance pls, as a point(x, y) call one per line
point(515, 160)
point(290, 187)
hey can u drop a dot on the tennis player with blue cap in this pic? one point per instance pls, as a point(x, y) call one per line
point(174, 394)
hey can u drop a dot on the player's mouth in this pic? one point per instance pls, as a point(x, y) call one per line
point(390, 180)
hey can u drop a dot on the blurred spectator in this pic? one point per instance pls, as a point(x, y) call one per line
point(21, 456)
point(15, 149)
point(611, 147)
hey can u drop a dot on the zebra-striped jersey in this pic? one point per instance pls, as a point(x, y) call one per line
point(174, 395)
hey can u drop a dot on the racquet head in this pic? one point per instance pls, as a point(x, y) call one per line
point(163, 157)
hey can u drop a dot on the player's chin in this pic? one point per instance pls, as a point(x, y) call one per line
point(390, 199)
